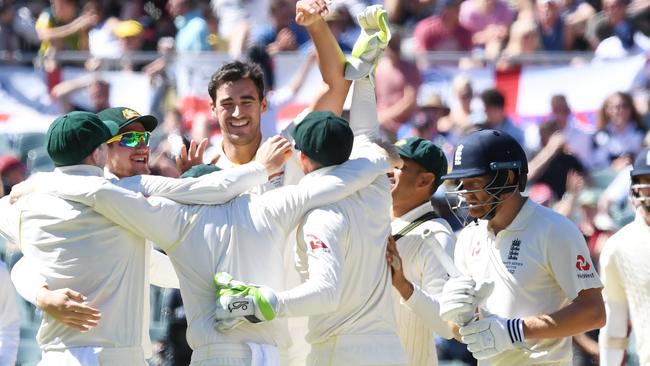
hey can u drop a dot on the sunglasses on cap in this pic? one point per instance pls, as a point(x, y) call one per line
point(131, 139)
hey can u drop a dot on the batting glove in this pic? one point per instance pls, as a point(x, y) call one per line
point(460, 298)
point(370, 45)
point(238, 302)
point(488, 337)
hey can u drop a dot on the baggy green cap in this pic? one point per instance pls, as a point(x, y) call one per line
point(125, 116)
point(199, 170)
point(425, 153)
point(74, 136)
point(324, 137)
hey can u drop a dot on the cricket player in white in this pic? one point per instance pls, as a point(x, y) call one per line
point(76, 248)
point(419, 277)
point(127, 156)
point(9, 319)
point(545, 287)
point(626, 275)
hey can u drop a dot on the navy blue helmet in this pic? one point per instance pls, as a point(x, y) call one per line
point(641, 167)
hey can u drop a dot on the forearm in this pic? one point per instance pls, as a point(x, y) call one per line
point(27, 280)
point(62, 31)
point(427, 308)
point(331, 63)
point(213, 188)
point(612, 341)
point(363, 109)
point(309, 298)
point(583, 314)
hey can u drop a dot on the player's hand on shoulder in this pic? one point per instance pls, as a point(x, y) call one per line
point(488, 337)
point(68, 307)
point(238, 302)
point(388, 150)
point(273, 153)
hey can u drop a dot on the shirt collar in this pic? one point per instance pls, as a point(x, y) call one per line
point(520, 221)
point(81, 169)
point(313, 176)
point(415, 212)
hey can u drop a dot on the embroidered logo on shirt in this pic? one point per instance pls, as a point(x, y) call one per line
point(316, 243)
point(513, 254)
point(582, 264)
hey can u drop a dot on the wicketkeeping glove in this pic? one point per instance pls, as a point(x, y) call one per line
point(373, 39)
point(460, 298)
point(238, 301)
point(488, 337)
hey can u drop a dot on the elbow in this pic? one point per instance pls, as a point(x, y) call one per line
point(331, 299)
point(597, 313)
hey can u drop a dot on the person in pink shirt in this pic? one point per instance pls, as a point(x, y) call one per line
point(488, 20)
point(397, 82)
point(443, 31)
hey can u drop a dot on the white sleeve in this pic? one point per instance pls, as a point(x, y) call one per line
point(161, 271)
point(27, 279)
point(612, 340)
point(564, 250)
point(424, 302)
point(213, 188)
point(322, 235)
point(9, 321)
point(363, 109)
point(162, 221)
point(9, 220)
point(285, 206)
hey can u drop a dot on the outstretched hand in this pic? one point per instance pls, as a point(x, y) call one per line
point(68, 307)
point(187, 159)
point(273, 153)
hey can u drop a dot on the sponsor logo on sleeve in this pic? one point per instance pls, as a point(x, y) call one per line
point(582, 265)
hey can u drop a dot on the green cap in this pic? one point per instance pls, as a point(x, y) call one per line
point(125, 116)
point(74, 136)
point(425, 153)
point(324, 137)
point(199, 170)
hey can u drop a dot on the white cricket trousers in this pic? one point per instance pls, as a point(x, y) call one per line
point(93, 356)
point(358, 350)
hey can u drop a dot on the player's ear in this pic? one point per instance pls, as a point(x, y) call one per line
point(425, 179)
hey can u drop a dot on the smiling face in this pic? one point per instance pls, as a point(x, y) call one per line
point(125, 161)
point(238, 109)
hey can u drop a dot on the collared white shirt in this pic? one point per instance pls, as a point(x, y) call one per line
point(417, 318)
point(539, 264)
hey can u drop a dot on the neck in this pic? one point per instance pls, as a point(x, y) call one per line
point(506, 212)
point(241, 154)
point(400, 208)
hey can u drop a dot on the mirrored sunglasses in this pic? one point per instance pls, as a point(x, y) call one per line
point(131, 139)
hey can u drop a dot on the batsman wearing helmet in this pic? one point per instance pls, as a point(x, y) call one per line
point(626, 275)
point(541, 285)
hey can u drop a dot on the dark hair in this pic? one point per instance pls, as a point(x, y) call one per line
point(235, 71)
point(257, 54)
point(493, 98)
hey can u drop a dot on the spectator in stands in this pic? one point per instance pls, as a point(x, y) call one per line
point(192, 29)
point(406, 12)
point(443, 31)
point(495, 115)
point(129, 33)
point(459, 122)
point(578, 140)
point(17, 30)
point(552, 164)
point(98, 93)
point(282, 34)
point(61, 27)
point(607, 22)
point(489, 21)
point(523, 40)
point(620, 133)
point(12, 171)
point(102, 41)
point(397, 83)
point(576, 14)
point(625, 42)
point(554, 33)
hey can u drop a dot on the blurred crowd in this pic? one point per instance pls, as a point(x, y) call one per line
point(578, 168)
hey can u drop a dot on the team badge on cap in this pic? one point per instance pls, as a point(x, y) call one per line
point(401, 142)
point(130, 113)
